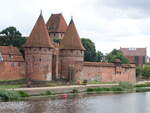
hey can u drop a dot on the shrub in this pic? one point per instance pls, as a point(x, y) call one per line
point(117, 88)
point(74, 91)
point(49, 93)
point(23, 94)
point(9, 95)
point(142, 90)
point(102, 89)
point(139, 70)
point(143, 85)
point(126, 85)
point(146, 71)
point(97, 89)
point(85, 82)
point(90, 89)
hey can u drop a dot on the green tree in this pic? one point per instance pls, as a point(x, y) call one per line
point(116, 54)
point(100, 56)
point(139, 71)
point(146, 71)
point(12, 37)
point(56, 40)
point(90, 52)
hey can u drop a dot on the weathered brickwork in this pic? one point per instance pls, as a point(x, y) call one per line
point(12, 64)
point(106, 72)
point(39, 63)
point(12, 70)
point(69, 58)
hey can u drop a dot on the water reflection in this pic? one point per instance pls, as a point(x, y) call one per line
point(120, 103)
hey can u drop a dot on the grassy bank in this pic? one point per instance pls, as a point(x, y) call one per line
point(11, 95)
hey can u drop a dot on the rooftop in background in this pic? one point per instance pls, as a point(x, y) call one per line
point(56, 23)
point(134, 51)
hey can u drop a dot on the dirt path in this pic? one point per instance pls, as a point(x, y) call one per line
point(61, 89)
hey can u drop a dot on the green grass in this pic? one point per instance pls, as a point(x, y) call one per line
point(9, 86)
point(19, 81)
point(126, 85)
point(99, 82)
point(114, 89)
point(142, 89)
point(143, 85)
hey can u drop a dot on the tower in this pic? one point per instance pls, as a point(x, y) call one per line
point(71, 52)
point(38, 52)
point(56, 26)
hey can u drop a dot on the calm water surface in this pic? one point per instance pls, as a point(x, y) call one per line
point(119, 103)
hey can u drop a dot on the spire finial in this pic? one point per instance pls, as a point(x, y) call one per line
point(71, 17)
point(41, 12)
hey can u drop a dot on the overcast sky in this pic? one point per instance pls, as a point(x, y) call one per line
point(108, 23)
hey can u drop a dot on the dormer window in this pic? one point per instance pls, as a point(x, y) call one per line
point(50, 28)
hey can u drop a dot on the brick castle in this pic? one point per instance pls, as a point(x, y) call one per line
point(46, 60)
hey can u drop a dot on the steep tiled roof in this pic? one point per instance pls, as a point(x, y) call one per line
point(71, 39)
point(56, 23)
point(10, 53)
point(134, 51)
point(39, 36)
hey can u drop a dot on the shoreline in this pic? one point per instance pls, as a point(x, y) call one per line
point(58, 92)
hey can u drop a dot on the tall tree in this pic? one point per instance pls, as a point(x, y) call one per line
point(100, 56)
point(116, 54)
point(9, 35)
point(12, 37)
point(90, 52)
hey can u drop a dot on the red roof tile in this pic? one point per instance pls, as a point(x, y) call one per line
point(56, 23)
point(71, 39)
point(10, 53)
point(9, 50)
point(39, 36)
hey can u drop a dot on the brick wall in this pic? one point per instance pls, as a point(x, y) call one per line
point(106, 72)
point(12, 70)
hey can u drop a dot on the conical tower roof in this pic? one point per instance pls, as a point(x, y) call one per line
point(39, 36)
point(71, 39)
point(56, 23)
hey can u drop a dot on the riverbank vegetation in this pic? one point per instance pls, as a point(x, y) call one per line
point(123, 87)
point(143, 72)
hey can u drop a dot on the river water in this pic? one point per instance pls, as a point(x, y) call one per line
point(118, 103)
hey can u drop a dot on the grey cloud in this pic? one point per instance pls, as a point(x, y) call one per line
point(124, 4)
point(124, 8)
